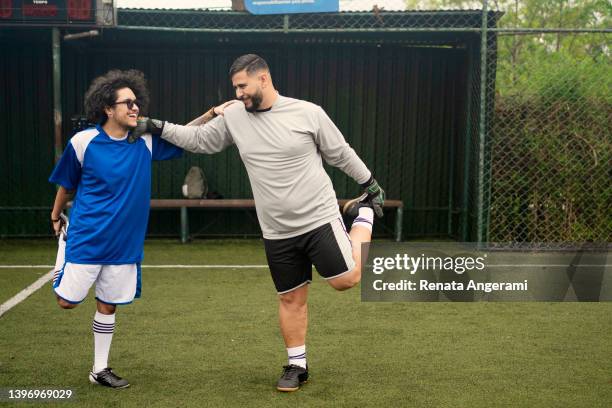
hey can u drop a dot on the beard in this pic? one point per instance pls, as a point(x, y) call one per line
point(256, 100)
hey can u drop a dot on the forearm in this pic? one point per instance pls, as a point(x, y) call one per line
point(61, 199)
point(351, 165)
point(209, 138)
point(336, 151)
point(205, 118)
point(211, 114)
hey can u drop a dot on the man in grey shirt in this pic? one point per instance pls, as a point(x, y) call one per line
point(282, 142)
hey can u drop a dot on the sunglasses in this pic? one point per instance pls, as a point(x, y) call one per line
point(128, 102)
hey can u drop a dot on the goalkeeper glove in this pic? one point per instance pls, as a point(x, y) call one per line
point(375, 196)
point(146, 125)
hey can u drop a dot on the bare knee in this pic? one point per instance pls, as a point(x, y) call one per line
point(105, 308)
point(346, 281)
point(293, 300)
point(344, 285)
point(64, 304)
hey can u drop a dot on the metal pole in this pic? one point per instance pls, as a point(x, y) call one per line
point(85, 34)
point(467, 151)
point(483, 118)
point(399, 223)
point(57, 89)
point(451, 176)
point(286, 29)
point(184, 225)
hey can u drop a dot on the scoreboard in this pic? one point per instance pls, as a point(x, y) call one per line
point(57, 12)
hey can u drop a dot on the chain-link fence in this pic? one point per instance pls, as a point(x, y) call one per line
point(375, 20)
point(550, 132)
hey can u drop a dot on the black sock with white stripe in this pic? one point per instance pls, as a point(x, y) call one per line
point(297, 355)
point(103, 328)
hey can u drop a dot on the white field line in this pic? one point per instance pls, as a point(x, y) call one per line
point(21, 296)
point(149, 266)
point(206, 266)
point(25, 266)
point(535, 266)
point(40, 282)
point(544, 265)
point(266, 266)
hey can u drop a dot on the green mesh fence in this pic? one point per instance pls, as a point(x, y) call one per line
point(550, 132)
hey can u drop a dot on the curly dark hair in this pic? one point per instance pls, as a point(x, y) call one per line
point(102, 92)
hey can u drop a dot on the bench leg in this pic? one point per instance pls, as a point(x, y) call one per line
point(399, 223)
point(184, 225)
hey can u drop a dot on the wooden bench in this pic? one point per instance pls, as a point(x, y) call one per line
point(184, 204)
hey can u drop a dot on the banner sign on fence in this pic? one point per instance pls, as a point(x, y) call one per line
point(291, 6)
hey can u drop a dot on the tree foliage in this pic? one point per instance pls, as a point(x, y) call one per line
point(551, 130)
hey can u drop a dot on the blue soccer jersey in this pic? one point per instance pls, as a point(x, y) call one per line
point(112, 179)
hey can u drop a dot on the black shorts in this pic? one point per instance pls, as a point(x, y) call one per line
point(327, 247)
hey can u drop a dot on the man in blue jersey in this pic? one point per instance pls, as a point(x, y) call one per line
point(111, 175)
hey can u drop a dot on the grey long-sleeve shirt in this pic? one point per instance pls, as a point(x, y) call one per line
point(281, 149)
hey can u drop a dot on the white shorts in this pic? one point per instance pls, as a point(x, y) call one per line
point(115, 284)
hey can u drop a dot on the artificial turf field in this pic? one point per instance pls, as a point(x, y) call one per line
point(210, 337)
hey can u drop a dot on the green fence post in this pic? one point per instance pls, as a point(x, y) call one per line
point(483, 118)
point(57, 89)
point(399, 223)
point(184, 225)
point(467, 149)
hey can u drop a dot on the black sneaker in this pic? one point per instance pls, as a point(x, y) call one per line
point(293, 376)
point(351, 208)
point(107, 378)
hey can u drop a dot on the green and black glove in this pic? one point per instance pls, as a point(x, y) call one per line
point(146, 125)
point(376, 196)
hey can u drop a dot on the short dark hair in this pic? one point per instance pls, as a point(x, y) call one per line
point(251, 62)
point(103, 91)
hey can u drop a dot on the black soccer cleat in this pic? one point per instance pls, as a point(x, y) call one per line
point(293, 376)
point(107, 378)
point(351, 208)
